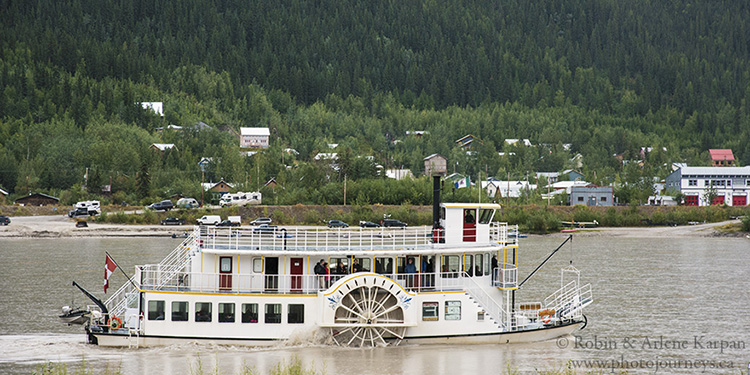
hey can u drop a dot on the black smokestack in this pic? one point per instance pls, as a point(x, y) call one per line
point(435, 202)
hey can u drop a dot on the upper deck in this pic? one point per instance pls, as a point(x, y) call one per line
point(318, 240)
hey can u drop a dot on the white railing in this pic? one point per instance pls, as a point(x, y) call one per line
point(291, 284)
point(505, 277)
point(491, 307)
point(499, 233)
point(569, 300)
point(314, 239)
point(172, 263)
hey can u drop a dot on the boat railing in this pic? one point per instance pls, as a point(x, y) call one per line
point(294, 284)
point(172, 263)
point(314, 239)
point(568, 301)
point(499, 233)
point(491, 307)
point(505, 277)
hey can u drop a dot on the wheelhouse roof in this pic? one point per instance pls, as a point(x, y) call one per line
point(472, 205)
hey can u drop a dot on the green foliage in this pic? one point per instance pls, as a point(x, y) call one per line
point(746, 224)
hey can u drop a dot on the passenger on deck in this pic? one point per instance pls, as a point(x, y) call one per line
point(355, 266)
point(320, 271)
point(410, 268)
point(340, 269)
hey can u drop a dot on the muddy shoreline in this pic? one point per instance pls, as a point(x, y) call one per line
point(62, 227)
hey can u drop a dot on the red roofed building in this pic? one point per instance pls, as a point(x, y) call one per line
point(722, 157)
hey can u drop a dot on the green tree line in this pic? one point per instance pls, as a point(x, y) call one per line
point(606, 77)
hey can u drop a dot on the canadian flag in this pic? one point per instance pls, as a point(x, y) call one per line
point(109, 267)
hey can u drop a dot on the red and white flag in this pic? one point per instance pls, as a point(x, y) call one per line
point(109, 267)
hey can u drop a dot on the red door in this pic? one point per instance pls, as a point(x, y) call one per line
point(718, 200)
point(691, 200)
point(295, 268)
point(225, 273)
point(470, 225)
point(739, 200)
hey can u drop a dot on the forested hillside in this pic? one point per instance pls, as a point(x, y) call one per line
point(605, 76)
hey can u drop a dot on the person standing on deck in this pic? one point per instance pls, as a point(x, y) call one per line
point(320, 271)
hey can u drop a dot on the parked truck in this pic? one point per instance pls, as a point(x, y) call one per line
point(240, 199)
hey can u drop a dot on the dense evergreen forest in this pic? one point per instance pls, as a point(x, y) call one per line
point(604, 76)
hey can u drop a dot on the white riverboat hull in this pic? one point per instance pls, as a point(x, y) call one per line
point(118, 339)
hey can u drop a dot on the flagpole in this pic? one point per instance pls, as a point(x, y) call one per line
point(121, 270)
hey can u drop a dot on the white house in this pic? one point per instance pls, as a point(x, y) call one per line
point(731, 185)
point(157, 107)
point(505, 189)
point(399, 174)
point(254, 137)
point(512, 141)
point(162, 146)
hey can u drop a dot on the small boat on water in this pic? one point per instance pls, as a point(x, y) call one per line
point(74, 315)
point(456, 282)
point(580, 224)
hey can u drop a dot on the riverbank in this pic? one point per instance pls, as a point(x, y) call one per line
point(62, 227)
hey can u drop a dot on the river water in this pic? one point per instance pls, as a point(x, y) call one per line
point(661, 305)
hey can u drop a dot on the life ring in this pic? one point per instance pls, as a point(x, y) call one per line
point(546, 315)
point(114, 323)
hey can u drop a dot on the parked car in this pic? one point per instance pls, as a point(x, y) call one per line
point(187, 203)
point(228, 223)
point(80, 211)
point(392, 223)
point(165, 205)
point(173, 221)
point(368, 224)
point(4, 220)
point(209, 220)
point(261, 221)
point(266, 228)
point(337, 224)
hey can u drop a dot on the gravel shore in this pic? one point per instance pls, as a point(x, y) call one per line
point(62, 226)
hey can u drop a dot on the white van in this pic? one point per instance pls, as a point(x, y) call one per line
point(209, 220)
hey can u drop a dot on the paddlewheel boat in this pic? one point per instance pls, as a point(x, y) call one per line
point(456, 282)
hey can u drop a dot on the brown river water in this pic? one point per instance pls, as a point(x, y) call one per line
point(661, 305)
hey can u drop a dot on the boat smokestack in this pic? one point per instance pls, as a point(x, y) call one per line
point(435, 202)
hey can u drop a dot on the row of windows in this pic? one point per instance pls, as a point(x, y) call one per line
point(716, 182)
point(226, 313)
point(474, 265)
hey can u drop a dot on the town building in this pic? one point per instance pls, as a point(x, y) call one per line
point(592, 195)
point(721, 157)
point(398, 174)
point(38, 199)
point(254, 137)
point(703, 186)
point(435, 165)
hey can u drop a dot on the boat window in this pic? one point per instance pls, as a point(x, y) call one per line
point(258, 265)
point(430, 311)
point(451, 264)
point(179, 311)
point(273, 313)
point(452, 310)
point(487, 264)
point(469, 217)
point(485, 216)
point(469, 264)
point(339, 266)
point(155, 310)
point(362, 265)
point(296, 314)
point(478, 261)
point(203, 311)
point(384, 265)
point(226, 313)
point(249, 313)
